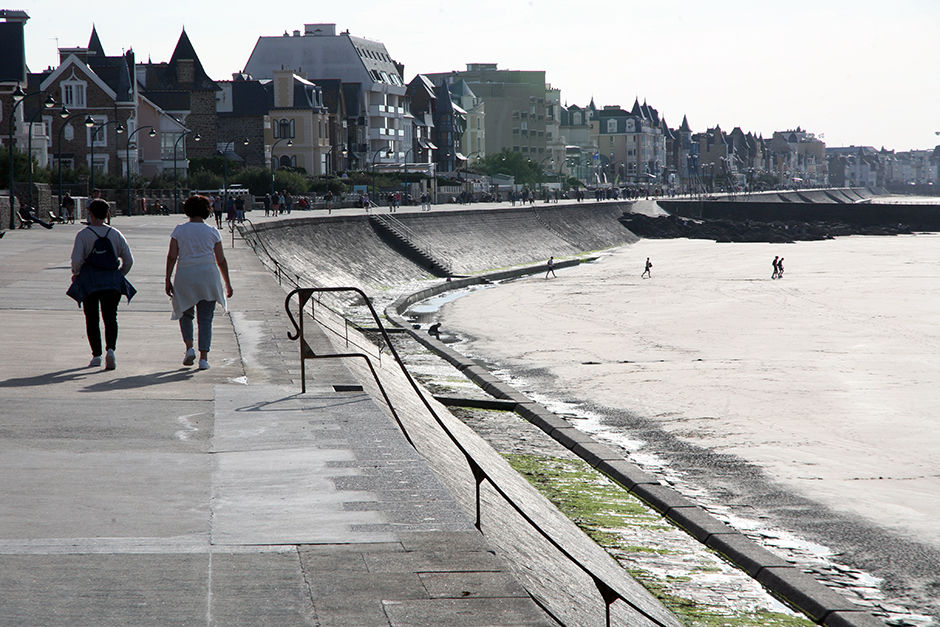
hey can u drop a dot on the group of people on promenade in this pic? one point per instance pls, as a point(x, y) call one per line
point(101, 259)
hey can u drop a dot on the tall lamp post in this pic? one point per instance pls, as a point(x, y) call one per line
point(64, 113)
point(290, 142)
point(89, 122)
point(176, 186)
point(407, 186)
point(18, 97)
point(225, 167)
point(388, 153)
point(542, 172)
point(127, 159)
point(466, 168)
point(94, 134)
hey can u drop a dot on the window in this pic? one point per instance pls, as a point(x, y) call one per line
point(284, 129)
point(611, 126)
point(73, 93)
point(99, 132)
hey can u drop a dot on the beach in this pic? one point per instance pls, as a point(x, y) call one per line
point(825, 380)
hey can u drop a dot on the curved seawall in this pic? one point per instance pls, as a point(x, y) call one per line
point(353, 250)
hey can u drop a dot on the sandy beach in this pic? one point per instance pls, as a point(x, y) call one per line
point(826, 379)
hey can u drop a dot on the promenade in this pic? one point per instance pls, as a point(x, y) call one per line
point(158, 494)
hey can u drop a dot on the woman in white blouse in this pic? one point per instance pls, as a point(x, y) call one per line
point(196, 253)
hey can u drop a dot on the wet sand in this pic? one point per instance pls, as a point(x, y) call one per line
point(827, 379)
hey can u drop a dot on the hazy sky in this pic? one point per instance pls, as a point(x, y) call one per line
point(861, 72)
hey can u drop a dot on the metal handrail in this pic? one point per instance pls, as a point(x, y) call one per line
point(607, 592)
point(396, 224)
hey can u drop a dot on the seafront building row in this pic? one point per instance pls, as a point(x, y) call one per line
point(324, 102)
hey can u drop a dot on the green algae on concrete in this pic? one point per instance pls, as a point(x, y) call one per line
point(608, 514)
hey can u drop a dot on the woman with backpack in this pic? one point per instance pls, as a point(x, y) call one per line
point(196, 254)
point(98, 279)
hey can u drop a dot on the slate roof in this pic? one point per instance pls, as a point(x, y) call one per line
point(163, 77)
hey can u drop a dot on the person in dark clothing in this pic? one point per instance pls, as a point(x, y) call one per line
point(98, 279)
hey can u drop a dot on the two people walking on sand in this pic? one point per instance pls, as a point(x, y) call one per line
point(778, 268)
point(101, 259)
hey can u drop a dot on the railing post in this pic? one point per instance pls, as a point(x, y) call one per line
point(303, 358)
point(478, 477)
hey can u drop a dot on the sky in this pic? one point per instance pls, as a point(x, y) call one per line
point(855, 72)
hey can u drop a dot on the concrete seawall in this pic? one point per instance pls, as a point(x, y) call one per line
point(348, 250)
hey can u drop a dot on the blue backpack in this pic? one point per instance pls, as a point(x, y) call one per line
point(102, 254)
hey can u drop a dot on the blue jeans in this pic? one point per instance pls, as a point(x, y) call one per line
point(204, 311)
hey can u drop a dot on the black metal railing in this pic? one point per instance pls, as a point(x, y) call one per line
point(607, 592)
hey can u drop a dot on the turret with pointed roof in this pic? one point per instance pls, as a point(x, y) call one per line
point(183, 88)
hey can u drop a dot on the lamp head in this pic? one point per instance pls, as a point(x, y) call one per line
point(90, 121)
point(64, 113)
point(120, 128)
point(152, 133)
point(245, 142)
point(197, 138)
point(49, 102)
point(290, 142)
point(19, 94)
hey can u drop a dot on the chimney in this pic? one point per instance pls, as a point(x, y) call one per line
point(185, 71)
point(12, 46)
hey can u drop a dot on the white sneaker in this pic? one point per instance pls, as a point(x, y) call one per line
point(190, 357)
point(203, 364)
point(95, 361)
point(109, 363)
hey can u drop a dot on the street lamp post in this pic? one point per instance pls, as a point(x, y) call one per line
point(94, 133)
point(387, 152)
point(465, 177)
point(225, 168)
point(127, 160)
point(29, 150)
point(290, 142)
point(18, 97)
point(542, 172)
point(407, 186)
point(89, 122)
point(176, 186)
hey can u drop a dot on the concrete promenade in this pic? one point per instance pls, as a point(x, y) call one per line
point(157, 494)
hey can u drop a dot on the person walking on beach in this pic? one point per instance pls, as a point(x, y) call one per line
point(551, 267)
point(201, 267)
point(98, 279)
point(647, 271)
point(780, 268)
point(776, 273)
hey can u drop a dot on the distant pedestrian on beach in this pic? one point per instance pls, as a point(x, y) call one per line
point(776, 273)
point(551, 267)
point(647, 271)
point(780, 268)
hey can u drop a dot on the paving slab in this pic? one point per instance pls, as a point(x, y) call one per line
point(158, 494)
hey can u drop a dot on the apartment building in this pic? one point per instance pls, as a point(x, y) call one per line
point(378, 128)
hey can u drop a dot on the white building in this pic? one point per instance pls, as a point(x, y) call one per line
point(379, 129)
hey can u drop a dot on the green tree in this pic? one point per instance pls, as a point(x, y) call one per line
point(203, 179)
point(521, 168)
point(20, 166)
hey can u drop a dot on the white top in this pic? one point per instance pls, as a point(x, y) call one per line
point(196, 239)
point(197, 273)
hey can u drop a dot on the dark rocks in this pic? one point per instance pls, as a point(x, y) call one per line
point(669, 227)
